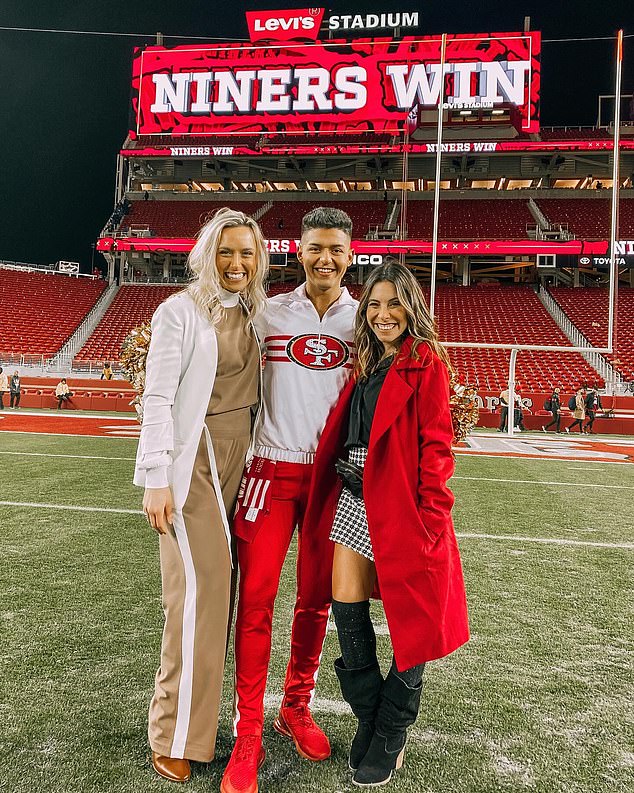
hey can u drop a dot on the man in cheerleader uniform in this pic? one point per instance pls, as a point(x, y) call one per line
point(308, 335)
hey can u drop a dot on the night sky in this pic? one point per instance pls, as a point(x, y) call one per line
point(64, 98)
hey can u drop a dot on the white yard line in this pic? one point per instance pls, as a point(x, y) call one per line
point(546, 541)
point(69, 507)
point(68, 456)
point(75, 434)
point(272, 702)
point(466, 536)
point(77, 416)
point(462, 452)
point(541, 482)
point(622, 440)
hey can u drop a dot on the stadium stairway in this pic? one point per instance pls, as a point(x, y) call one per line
point(132, 305)
point(506, 315)
point(603, 367)
point(587, 308)
point(63, 360)
point(29, 296)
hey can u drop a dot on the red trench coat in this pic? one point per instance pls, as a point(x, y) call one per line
point(408, 505)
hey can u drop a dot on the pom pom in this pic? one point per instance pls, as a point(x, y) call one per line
point(465, 410)
point(133, 359)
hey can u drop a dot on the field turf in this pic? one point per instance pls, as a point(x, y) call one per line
point(541, 699)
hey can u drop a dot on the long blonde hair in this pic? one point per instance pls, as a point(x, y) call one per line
point(420, 325)
point(204, 286)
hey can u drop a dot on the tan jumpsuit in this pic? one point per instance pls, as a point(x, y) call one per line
point(229, 419)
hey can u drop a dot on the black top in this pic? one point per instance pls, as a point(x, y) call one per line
point(363, 405)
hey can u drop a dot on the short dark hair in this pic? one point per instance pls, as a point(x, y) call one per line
point(327, 218)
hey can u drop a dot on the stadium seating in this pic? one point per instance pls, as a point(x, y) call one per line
point(261, 141)
point(588, 310)
point(326, 139)
point(506, 315)
point(574, 133)
point(503, 315)
point(469, 219)
point(132, 306)
point(364, 215)
point(589, 218)
point(40, 311)
point(178, 218)
point(461, 219)
point(184, 218)
point(162, 141)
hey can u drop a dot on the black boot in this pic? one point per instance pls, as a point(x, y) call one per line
point(361, 689)
point(398, 709)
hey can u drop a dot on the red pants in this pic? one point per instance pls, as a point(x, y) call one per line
point(260, 563)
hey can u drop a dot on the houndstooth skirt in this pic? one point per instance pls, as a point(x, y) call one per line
point(350, 526)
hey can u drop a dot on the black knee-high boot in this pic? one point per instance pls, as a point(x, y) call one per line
point(358, 672)
point(398, 708)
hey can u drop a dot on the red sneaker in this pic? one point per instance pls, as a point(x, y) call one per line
point(296, 723)
point(241, 773)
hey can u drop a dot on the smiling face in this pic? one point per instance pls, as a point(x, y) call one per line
point(325, 255)
point(236, 258)
point(385, 315)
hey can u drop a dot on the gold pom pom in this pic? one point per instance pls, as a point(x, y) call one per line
point(465, 410)
point(133, 359)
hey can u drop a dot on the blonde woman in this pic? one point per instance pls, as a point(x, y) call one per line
point(201, 394)
point(390, 438)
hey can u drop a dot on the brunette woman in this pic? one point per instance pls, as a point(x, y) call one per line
point(392, 529)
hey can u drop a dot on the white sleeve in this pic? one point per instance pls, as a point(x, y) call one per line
point(260, 323)
point(162, 377)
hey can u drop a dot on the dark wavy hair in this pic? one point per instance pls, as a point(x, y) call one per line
point(420, 324)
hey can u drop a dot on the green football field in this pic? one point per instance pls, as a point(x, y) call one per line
point(541, 699)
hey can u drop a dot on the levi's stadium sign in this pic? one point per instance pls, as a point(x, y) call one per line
point(299, 23)
point(366, 85)
point(395, 19)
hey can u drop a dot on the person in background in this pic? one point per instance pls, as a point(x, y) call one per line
point(579, 412)
point(4, 387)
point(15, 390)
point(592, 404)
point(390, 440)
point(518, 413)
point(62, 393)
point(555, 410)
point(106, 372)
point(504, 409)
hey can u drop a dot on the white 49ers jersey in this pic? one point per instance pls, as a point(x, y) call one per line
point(308, 362)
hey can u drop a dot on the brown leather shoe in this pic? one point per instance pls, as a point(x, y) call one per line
point(172, 768)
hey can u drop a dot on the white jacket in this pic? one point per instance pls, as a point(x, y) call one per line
point(308, 362)
point(180, 373)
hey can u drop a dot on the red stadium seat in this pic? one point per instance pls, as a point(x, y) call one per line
point(132, 306)
point(588, 310)
point(42, 310)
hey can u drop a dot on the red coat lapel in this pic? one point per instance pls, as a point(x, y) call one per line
point(393, 397)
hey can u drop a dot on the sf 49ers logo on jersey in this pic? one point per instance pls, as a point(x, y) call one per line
point(316, 351)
